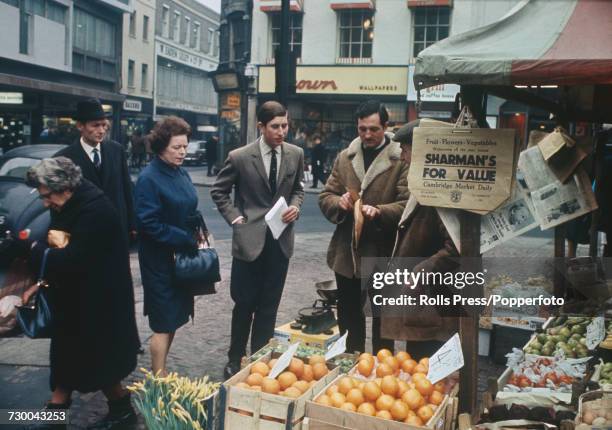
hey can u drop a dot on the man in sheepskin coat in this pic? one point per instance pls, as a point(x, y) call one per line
point(369, 173)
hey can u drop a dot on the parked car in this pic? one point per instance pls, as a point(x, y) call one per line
point(21, 211)
point(196, 153)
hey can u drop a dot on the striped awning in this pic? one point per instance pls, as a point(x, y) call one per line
point(539, 42)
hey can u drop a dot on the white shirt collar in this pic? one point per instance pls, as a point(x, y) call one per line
point(266, 149)
point(89, 149)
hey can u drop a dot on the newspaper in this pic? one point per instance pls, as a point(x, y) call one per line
point(554, 202)
point(512, 219)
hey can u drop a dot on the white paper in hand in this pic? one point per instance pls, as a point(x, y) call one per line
point(283, 361)
point(446, 360)
point(337, 348)
point(274, 218)
point(596, 333)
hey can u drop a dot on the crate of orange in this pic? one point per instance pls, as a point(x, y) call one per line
point(252, 400)
point(378, 395)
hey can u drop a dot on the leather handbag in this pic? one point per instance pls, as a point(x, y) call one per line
point(197, 270)
point(36, 321)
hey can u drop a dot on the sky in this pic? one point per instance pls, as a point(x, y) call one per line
point(213, 4)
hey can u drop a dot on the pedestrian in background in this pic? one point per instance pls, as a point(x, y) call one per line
point(371, 170)
point(319, 156)
point(261, 173)
point(211, 154)
point(138, 149)
point(166, 202)
point(102, 161)
point(422, 242)
point(94, 344)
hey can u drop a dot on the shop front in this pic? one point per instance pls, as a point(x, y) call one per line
point(327, 96)
point(437, 102)
point(136, 118)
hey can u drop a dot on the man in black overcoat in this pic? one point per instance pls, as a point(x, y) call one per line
point(102, 161)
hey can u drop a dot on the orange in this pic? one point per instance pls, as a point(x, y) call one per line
point(378, 381)
point(323, 400)
point(392, 362)
point(424, 387)
point(436, 398)
point(440, 386)
point(367, 409)
point(418, 375)
point(414, 420)
point(402, 356)
point(348, 407)
point(424, 361)
point(399, 410)
point(316, 359)
point(254, 379)
point(384, 369)
point(389, 385)
point(355, 396)
point(345, 385)
point(386, 415)
point(272, 362)
point(261, 368)
point(270, 385)
point(319, 370)
point(303, 386)
point(337, 399)
point(384, 402)
point(292, 392)
point(432, 406)
point(296, 366)
point(409, 365)
point(286, 380)
point(413, 399)
point(371, 391)
point(242, 385)
point(366, 356)
point(365, 367)
point(419, 368)
point(402, 388)
point(331, 390)
point(425, 413)
point(383, 353)
point(307, 374)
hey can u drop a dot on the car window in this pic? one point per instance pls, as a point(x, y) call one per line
point(193, 147)
point(17, 167)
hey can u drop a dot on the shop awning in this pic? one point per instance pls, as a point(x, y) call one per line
point(539, 42)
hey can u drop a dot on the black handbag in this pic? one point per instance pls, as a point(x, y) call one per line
point(197, 270)
point(36, 321)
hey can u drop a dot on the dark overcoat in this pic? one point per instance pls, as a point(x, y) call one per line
point(95, 339)
point(113, 177)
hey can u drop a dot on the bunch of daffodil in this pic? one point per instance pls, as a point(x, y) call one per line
point(173, 402)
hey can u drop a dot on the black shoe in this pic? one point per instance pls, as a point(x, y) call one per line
point(313, 186)
point(231, 368)
point(120, 415)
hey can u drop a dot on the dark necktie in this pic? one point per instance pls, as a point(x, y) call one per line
point(272, 178)
point(96, 158)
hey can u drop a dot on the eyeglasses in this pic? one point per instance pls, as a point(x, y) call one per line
point(43, 196)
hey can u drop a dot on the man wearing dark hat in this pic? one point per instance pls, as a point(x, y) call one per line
point(102, 161)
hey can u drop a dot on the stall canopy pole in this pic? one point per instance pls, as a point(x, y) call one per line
point(474, 98)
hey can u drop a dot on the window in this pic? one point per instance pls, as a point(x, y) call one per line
point(238, 45)
point(93, 34)
point(56, 12)
point(11, 2)
point(211, 40)
point(166, 22)
point(196, 35)
point(176, 27)
point(295, 36)
point(45, 8)
point(430, 25)
point(131, 66)
point(133, 24)
point(145, 27)
point(187, 31)
point(144, 77)
point(356, 33)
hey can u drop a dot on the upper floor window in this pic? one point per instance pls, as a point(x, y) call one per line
point(93, 34)
point(187, 31)
point(133, 24)
point(295, 33)
point(176, 27)
point(166, 21)
point(196, 35)
point(145, 27)
point(356, 33)
point(131, 66)
point(211, 40)
point(431, 24)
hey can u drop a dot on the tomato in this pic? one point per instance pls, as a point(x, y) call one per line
point(553, 377)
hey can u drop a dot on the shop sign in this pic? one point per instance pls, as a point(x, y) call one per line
point(171, 104)
point(11, 98)
point(181, 56)
point(437, 93)
point(442, 114)
point(132, 105)
point(230, 101)
point(357, 80)
point(460, 168)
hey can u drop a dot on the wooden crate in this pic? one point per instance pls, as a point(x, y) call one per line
point(251, 410)
point(322, 417)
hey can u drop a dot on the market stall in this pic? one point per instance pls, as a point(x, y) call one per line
point(562, 44)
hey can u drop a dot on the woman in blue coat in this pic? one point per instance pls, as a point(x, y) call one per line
point(166, 200)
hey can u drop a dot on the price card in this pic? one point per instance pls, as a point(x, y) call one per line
point(283, 361)
point(446, 360)
point(596, 333)
point(337, 348)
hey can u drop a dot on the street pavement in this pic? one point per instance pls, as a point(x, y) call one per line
point(200, 346)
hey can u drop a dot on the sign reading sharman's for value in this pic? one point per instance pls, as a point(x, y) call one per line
point(463, 168)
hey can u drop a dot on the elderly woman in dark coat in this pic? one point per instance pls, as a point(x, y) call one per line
point(95, 342)
point(165, 202)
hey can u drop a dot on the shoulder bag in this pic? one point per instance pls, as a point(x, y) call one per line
point(36, 321)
